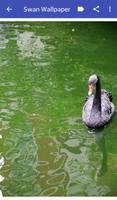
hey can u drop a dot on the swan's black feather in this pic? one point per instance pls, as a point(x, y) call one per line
point(86, 98)
point(98, 108)
point(110, 96)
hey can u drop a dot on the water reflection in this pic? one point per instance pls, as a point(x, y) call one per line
point(46, 148)
point(29, 44)
point(53, 177)
point(83, 161)
point(1, 194)
point(1, 165)
point(20, 166)
point(2, 162)
point(100, 139)
point(3, 41)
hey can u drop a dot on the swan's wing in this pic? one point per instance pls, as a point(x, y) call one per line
point(107, 107)
point(107, 110)
point(107, 94)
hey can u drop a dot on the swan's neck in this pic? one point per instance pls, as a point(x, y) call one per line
point(97, 97)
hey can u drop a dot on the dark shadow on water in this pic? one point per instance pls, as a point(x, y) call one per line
point(100, 140)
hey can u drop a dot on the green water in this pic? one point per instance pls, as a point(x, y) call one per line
point(45, 149)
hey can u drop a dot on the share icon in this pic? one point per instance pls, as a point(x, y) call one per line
point(96, 9)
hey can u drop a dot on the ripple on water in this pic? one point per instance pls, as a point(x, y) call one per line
point(56, 179)
point(1, 194)
point(1, 162)
point(6, 112)
point(72, 142)
point(49, 77)
point(5, 117)
point(3, 41)
point(1, 178)
point(6, 84)
point(43, 163)
point(29, 44)
point(10, 93)
point(72, 120)
point(49, 191)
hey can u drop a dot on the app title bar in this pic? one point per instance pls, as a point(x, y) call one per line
point(58, 9)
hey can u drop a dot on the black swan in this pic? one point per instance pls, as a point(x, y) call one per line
point(98, 108)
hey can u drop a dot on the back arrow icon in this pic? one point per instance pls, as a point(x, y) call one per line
point(9, 9)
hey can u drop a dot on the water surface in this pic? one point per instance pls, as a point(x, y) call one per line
point(45, 148)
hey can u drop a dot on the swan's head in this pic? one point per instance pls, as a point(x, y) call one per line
point(92, 81)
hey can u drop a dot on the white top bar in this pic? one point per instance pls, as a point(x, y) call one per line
point(56, 19)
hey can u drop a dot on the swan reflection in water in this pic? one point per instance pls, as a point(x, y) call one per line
point(100, 140)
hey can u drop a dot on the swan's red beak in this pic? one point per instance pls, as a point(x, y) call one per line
point(91, 88)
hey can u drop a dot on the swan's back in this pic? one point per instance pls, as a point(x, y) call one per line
point(107, 107)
